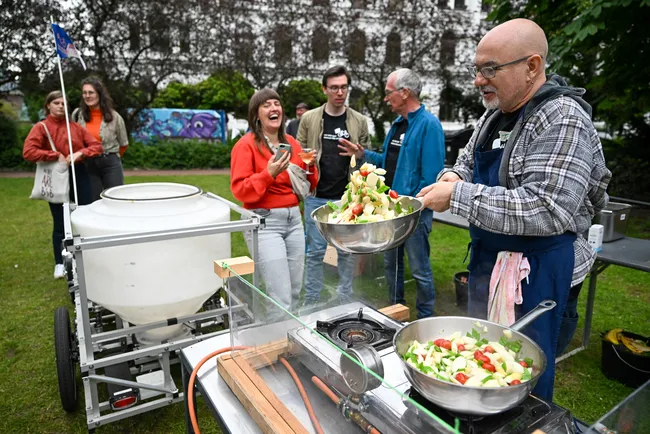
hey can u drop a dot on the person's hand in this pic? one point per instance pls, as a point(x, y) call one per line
point(349, 149)
point(277, 167)
point(62, 158)
point(437, 196)
point(75, 157)
point(449, 177)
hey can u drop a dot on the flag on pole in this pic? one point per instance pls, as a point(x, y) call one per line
point(64, 45)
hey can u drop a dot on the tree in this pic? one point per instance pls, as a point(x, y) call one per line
point(25, 36)
point(224, 90)
point(604, 46)
point(296, 91)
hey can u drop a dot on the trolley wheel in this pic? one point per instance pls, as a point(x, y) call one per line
point(65, 363)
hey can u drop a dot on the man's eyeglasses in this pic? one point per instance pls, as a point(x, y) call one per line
point(336, 89)
point(390, 92)
point(491, 71)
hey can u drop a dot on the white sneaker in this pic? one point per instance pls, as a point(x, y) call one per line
point(59, 271)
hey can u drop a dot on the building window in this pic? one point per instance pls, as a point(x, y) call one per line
point(160, 36)
point(134, 37)
point(460, 4)
point(359, 4)
point(184, 37)
point(393, 49)
point(244, 43)
point(447, 49)
point(282, 41)
point(395, 4)
point(325, 3)
point(443, 4)
point(357, 47)
point(320, 45)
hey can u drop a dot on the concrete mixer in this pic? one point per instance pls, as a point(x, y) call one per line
point(140, 271)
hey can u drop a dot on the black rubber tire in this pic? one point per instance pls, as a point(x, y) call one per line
point(66, 367)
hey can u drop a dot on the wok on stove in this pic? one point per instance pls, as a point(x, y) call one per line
point(475, 401)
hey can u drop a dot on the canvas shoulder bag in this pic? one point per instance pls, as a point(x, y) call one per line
point(51, 179)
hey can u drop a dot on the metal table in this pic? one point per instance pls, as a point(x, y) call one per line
point(230, 414)
point(627, 252)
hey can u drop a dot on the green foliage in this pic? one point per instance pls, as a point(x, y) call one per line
point(308, 91)
point(603, 46)
point(12, 137)
point(178, 154)
point(223, 90)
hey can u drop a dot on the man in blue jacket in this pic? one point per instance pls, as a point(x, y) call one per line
point(414, 152)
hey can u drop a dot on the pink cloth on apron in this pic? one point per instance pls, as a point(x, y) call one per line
point(505, 286)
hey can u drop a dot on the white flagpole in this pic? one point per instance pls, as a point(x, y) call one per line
point(67, 120)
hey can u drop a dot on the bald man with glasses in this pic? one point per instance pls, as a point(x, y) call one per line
point(529, 182)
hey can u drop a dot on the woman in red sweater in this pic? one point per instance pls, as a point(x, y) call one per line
point(37, 148)
point(263, 185)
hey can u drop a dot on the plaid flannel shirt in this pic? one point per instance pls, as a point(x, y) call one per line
point(556, 180)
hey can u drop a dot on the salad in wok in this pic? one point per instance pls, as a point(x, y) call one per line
point(367, 199)
point(471, 360)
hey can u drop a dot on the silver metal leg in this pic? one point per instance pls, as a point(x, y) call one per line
point(598, 268)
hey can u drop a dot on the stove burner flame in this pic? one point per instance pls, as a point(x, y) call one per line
point(355, 335)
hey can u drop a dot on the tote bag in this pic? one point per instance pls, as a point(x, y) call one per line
point(51, 180)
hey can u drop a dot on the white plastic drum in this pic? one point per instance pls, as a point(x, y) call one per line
point(159, 280)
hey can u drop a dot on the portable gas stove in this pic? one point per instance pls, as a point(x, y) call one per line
point(367, 335)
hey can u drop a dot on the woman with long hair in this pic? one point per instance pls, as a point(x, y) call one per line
point(97, 115)
point(37, 148)
point(261, 181)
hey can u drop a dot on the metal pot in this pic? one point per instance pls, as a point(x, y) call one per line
point(477, 401)
point(365, 238)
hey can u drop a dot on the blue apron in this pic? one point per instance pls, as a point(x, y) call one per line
point(551, 268)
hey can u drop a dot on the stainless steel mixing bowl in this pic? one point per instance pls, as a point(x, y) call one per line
point(372, 237)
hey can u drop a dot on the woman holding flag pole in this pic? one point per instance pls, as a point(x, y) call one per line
point(55, 138)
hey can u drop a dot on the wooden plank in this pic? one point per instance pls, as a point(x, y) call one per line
point(265, 355)
point(241, 265)
point(398, 312)
point(289, 418)
point(258, 407)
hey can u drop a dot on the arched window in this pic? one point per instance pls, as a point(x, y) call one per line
point(357, 47)
point(393, 49)
point(320, 45)
point(282, 36)
point(447, 49)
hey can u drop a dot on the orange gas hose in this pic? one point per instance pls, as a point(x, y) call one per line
point(326, 390)
point(304, 396)
point(190, 385)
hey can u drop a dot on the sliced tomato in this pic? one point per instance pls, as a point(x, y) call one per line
point(478, 355)
point(461, 378)
point(515, 382)
point(357, 209)
point(523, 363)
point(460, 347)
point(488, 349)
point(446, 345)
point(485, 359)
point(364, 173)
point(393, 194)
point(488, 367)
point(438, 342)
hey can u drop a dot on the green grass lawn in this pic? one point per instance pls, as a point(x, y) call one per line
point(28, 382)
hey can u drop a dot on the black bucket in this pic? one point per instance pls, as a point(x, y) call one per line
point(622, 365)
point(461, 282)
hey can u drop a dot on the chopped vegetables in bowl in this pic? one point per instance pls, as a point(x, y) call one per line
point(367, 199)
point(471, 360)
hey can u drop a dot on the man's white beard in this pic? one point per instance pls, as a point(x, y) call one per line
point(491, 105)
